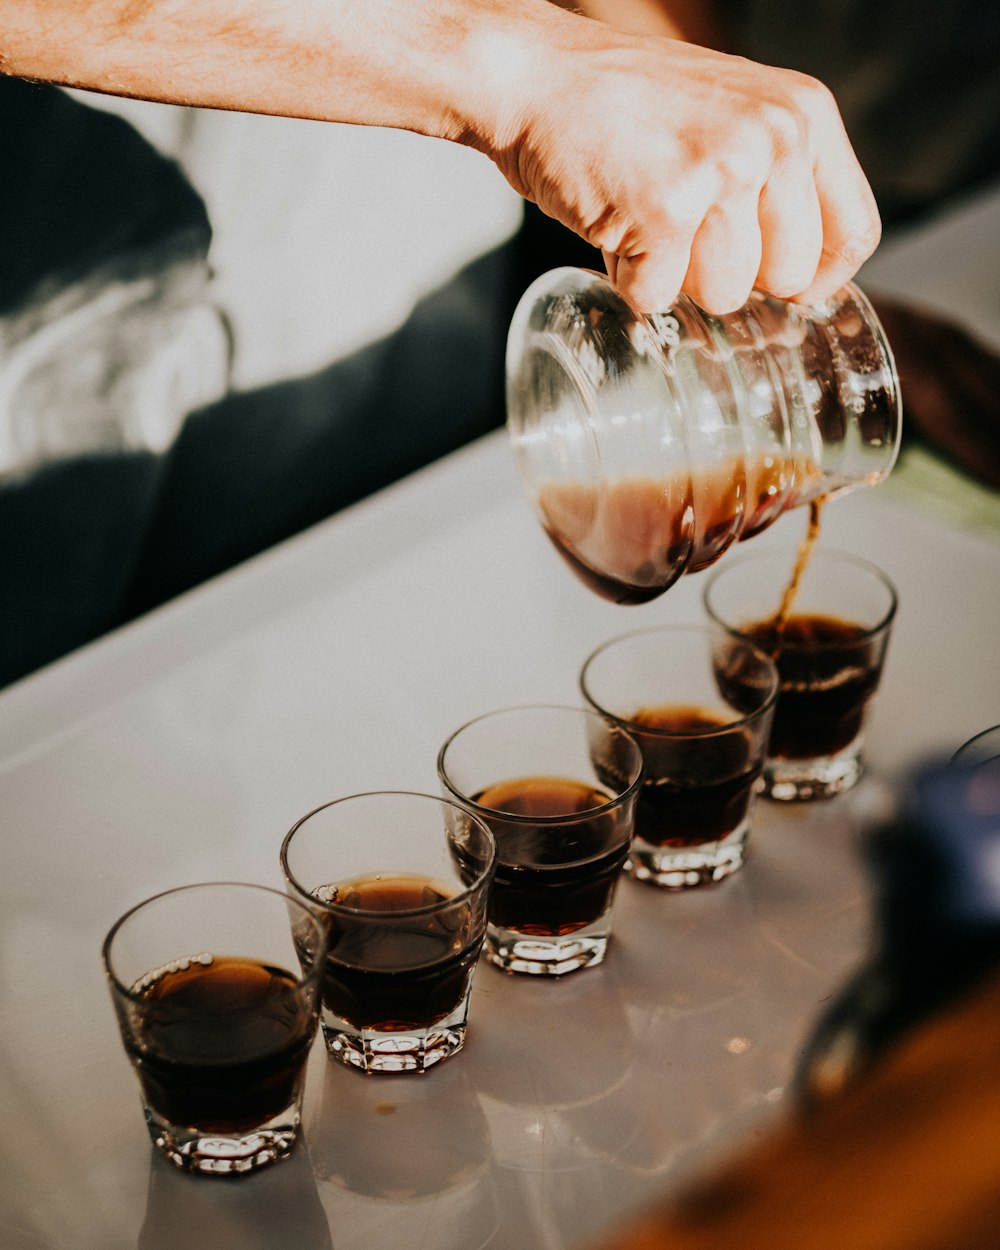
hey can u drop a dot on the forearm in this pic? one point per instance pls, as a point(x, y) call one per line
point(688, 168)
point(447, 68)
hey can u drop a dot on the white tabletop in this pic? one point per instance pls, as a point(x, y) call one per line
point(183, 747)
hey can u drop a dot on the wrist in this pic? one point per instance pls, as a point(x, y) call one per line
point(491, 82)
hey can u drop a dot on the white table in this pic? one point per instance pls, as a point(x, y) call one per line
point(184, 746)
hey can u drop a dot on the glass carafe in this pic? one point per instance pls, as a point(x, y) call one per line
point(651, 444)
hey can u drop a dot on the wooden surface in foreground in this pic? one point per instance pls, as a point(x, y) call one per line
point(909, 1159)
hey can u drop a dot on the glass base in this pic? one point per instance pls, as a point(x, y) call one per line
point(797, 781)
point(395, 1050)
point(225, 1154)
point(681, 868)
point(540, 956)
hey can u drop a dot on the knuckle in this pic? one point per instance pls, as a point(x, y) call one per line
point(743, 162)
point(786, 128)
point(603, 241)
point(810, 97)
point(856, 247)
point(650, 211)
point(606, 233)
point(803, 116)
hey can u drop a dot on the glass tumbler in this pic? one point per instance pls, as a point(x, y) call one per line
point(983, 748)
point(829, 643)
point(650, 444)
point(400, 881)
point(216, 988)
point(981, 754)
point(557, 786)
point(699, 706)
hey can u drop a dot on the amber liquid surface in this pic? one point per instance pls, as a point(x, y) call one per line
point(394, 972)
point(629, 541)
point(697, 785)
point(829, 669)
point(221, 1046)
point(554, 879)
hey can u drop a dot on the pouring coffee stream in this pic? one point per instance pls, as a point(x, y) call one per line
point(650, 445)
point(803, 555)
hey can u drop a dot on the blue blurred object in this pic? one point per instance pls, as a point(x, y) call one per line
point(937, 875)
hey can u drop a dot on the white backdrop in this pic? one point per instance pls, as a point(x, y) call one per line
point(325, 236)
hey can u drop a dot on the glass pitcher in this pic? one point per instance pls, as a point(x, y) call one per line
point(651, 444)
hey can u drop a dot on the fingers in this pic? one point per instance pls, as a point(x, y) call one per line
point(725, 256)
point(848, 241)
point(791, 227)
point(704, 173)
point(716, 267)
point(651, 281)
point(796, 240)
point(851, 224)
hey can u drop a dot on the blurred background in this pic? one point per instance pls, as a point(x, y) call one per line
point(217, 329)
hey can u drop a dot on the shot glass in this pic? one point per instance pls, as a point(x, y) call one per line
point(699, 706)
point(216, 988)
point(982, 748)
point(400, 881)
point(557, 786)
point(981, 754)
point(829, 643)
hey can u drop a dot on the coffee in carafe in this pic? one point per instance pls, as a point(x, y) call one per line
point(651, 444)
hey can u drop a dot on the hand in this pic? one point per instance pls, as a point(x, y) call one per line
point(691, 170)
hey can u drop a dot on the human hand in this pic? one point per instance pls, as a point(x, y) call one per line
point(690, 169)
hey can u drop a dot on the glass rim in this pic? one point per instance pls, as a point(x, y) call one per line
point(572, 280)
point(968, 752)
point(482, 878)
point(302, 979)
point(706, 632)
point(838, 555)
point(587, 275)
point(515, 818)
